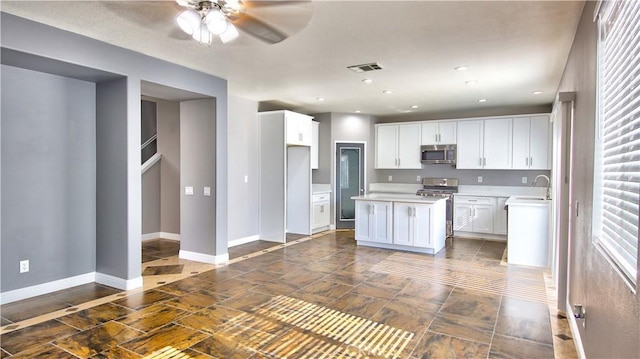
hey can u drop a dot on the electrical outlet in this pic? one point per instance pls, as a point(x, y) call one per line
point(524, 180)
point(390, 178)
point(418, 178)
point(24, 266)
point(479, 179)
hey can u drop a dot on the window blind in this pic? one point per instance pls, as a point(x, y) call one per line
point(617, 167)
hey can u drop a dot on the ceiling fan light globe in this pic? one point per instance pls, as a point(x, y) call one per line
point(184, 2)
point(189, 21)
point(216, 22)
point(229, 34)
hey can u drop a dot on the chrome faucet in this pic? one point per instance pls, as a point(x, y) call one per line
point(548, 193)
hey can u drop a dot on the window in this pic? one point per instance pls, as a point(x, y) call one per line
point(617, 155)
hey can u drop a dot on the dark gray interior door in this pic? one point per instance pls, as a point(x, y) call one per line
point(349, 181)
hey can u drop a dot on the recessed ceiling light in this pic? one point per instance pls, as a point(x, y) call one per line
point(461, 68)
point(537, 92)
point(367, 81)
point(482, 100)
point(414, 106)
point(387, 92)
point(320, 98)
point(471, 82)
point(357, 111)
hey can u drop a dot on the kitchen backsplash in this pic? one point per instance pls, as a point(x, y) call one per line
point(465, 177)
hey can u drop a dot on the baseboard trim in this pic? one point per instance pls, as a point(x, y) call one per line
point(205, 258)
point(45, 288)
point(332, 227)
point(245, 240)
point(158, 235)
point(487, 236)
point(573, 324)
point(124, 284)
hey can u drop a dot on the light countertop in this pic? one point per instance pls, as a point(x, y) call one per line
point(320, 188)
point(527, 201)
point(397, 197)
point(500, 191)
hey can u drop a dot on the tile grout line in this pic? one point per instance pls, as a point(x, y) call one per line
point(99, 301)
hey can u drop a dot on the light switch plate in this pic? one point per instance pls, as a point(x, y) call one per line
point(188, 190)
point(207, 191)
point(390, 178)
point(524, 180)
point(246, 179)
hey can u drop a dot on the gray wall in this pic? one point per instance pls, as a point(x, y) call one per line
point(197, 212)
point(113, 207)
point(169, 147)
point(118, 226)
point(466, 177)
point(48, 177)
point(613, 311)
point(325, 149)
point(243, 161)
point(151, 206)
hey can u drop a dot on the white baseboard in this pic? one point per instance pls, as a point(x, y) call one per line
point(124, 284)
point(332, 227)
point(573, 324)
point(245, 240)
point(205, 258)
point(45, 288)
point(158, 235)
point(487, 236)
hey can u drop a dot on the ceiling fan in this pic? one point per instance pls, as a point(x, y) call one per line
point(206, 20)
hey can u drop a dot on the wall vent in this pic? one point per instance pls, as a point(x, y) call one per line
point(365, 67)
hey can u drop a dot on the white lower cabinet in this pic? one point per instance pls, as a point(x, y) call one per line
point(321, 215)
point(474, 214)
point(373, 221)
point(500, 217)
point(411, 224)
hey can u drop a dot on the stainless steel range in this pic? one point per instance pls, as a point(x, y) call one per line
point(441, 187)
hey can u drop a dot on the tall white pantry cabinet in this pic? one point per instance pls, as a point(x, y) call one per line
point(285, 174)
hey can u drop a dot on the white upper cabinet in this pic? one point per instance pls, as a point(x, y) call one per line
point(398, 146)
point(531, 143)
point(298, 129)
point(484, 144)
point(497, 144)
point(315, 142)
point(439, 133)
point(470, 145)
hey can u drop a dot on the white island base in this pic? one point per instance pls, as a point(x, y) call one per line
point(401, 222)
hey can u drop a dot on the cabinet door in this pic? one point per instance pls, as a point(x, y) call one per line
point(429, 133)
point(462, 217)
point(482, 218)
point(539, 151)
point(469, 149)
point(409, 146)
point(520, 157)
point(315, 136)
point(422, 226)
point(381, 222)
point(293, 136)
point(364, 210)
point(447, 132)
point(305, 130)
point(500, 217)
point(497, 143)
point(402, 224)
point(387, 146)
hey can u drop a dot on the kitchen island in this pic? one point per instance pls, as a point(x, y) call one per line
point(401, 221)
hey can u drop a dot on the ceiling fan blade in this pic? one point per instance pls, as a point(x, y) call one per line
point(259, 29)
point(268, 3)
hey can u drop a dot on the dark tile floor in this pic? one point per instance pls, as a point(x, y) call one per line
point(324, 297)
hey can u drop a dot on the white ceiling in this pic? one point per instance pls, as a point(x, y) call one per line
point(512, 48)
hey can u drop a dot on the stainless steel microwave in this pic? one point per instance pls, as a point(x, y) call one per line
point(438, 154)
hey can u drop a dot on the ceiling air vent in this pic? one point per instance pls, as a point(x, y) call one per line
point(366, 67)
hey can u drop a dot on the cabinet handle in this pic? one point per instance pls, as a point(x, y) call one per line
point(398, 162)
point(484, 161)
point(526, 161)
point(436, 137)
point(530, 161)
point(480, 161)
point(322, 209)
